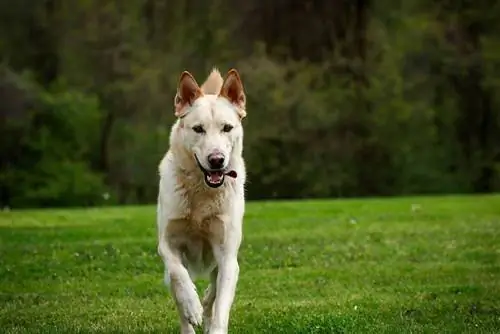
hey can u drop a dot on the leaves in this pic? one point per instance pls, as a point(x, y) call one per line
point(343, 98)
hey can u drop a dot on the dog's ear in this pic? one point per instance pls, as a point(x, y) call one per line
point(187, 92)
point(232, 89)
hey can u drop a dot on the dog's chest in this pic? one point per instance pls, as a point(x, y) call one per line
point(201, 206)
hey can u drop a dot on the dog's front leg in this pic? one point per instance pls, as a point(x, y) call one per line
point(226, 288)
point(182, 288)
point(226, 256)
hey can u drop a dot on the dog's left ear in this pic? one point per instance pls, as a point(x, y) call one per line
point(232, 89)
point(187, 92)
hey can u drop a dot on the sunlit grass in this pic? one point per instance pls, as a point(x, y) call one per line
point(429, 264)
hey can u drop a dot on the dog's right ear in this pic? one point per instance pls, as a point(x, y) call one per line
point(187, 92)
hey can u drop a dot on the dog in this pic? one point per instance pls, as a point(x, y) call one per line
point(201, 199)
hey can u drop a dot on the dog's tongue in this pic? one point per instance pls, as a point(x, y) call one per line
point(232, 174)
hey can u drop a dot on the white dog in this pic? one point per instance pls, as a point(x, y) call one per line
point(201, 199)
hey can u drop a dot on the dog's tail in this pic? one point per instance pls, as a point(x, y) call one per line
point(213, 84)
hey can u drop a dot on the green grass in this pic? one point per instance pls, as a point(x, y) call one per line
point(346, 266)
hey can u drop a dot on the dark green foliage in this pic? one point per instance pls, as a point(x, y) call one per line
point(49, 147)
point(354, 98)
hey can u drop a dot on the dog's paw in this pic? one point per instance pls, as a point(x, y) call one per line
point(217, 331)
point(192, 310)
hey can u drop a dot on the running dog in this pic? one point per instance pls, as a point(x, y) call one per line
point(201, 199)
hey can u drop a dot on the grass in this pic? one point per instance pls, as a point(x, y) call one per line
point(406, 265)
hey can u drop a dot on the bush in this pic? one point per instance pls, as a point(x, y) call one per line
point(48, 146)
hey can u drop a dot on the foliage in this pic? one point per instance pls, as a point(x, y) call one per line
point(344, 98)
point(49, 147)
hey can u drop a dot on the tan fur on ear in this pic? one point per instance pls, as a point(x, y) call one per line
point(232, 89)
point(187, 92)
point(214, 82)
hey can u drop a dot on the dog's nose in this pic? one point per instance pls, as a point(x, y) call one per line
point(216, 160)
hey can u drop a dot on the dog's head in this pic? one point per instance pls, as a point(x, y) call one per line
point(209, 123)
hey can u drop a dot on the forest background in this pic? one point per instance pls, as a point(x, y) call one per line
point(345, 98)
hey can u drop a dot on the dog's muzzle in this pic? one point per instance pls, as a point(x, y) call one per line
point(214, 178)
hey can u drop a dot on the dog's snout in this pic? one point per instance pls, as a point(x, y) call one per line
point(216, 160)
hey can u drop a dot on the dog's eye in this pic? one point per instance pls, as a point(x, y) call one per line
point(198, 129)
point(227, 128)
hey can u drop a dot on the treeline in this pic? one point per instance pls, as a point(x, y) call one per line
point(345, 98)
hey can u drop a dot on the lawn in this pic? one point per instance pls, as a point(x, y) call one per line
point(422, 264)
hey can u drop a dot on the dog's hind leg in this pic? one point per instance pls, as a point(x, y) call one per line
point(208, 301)
point(182, 288)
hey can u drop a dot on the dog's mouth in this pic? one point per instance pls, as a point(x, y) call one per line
point(215, 178)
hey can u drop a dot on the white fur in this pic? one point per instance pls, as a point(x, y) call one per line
point(200, 228)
